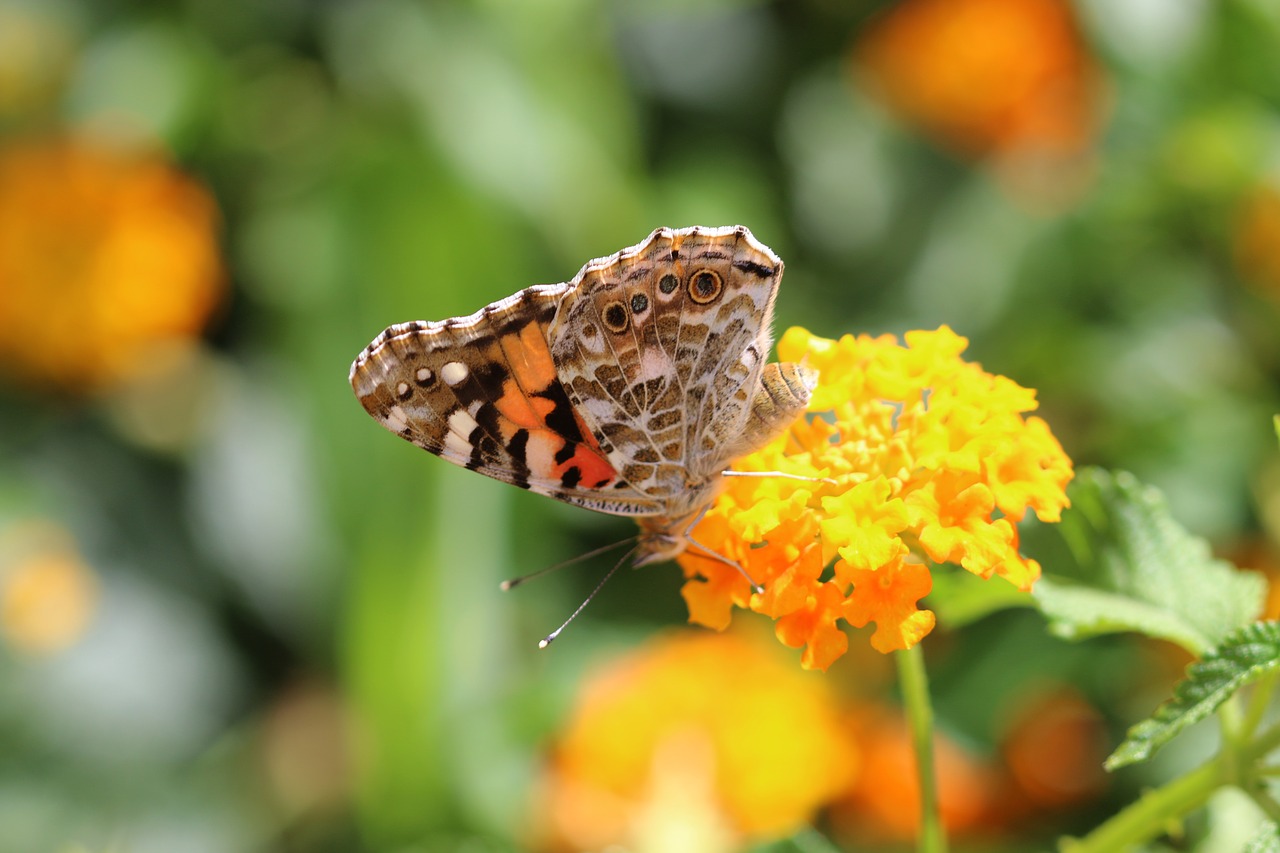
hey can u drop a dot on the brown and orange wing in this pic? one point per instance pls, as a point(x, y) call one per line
point(482, 391)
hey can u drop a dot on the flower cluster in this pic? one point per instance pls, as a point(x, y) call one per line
point(913, 455)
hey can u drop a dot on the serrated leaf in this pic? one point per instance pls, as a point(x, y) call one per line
point(1267, 840)
point(1245, 656)
point(1132, 567)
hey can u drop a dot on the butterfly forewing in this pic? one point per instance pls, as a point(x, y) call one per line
point(482, 391)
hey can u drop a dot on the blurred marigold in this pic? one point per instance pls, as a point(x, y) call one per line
point(742, 745)
point(932, 459)
point(104, 256)
point(986, 76)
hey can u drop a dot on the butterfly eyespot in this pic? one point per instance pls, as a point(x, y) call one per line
point(615, 317)
point(668, 283)
point(705, 286)
point(639, 303)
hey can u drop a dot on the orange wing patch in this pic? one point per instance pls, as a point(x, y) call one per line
point(555, 448)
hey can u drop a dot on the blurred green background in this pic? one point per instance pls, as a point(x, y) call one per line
point(270, 625)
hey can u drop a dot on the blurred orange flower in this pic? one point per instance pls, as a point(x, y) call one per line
point(931, 458)
point(304, 748)
point(742, 746)
point(1054, 750)
point(884, 801)
point(1257, 240)
point(105, 256)
point(986, 76)
point(48, 594)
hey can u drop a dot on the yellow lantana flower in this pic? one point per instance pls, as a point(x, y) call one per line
point(916, 456)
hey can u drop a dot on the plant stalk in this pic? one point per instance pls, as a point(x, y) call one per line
point(919, 711)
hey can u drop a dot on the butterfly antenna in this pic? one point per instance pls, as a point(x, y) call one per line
point(780, 475)
point(515, 582)
point(547, 640)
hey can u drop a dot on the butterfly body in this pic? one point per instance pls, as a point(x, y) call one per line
point(628, 390)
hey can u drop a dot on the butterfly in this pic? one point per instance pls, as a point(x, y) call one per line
point(628, 390)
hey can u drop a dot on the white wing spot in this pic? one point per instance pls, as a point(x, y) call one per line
point(397, 421)
point(457, 445)
point(540, 454)
point(454, 372)
point(462, 423)
point(402, 389)
point(423, 374)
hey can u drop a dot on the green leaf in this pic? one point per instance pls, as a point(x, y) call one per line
point(1267, 840)
point(960, 598)
point(1132, 567)
point(1246, 655)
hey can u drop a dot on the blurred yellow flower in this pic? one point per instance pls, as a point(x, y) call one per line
point(932, 458)
point(105, 256)
point(695, 742)
point(47, 592)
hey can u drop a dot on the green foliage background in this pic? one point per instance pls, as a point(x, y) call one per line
point(378, 161)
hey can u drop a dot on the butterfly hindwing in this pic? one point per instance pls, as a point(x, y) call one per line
point(660, 348)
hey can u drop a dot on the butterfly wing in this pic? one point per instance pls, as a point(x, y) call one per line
point(660, 348)
point(482, 391)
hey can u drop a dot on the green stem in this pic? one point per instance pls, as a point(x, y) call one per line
point(1231, 721)
point(1151, 814)
point(1258, 703)
point(1266, 802)
point(809, 840)
point(919, 710)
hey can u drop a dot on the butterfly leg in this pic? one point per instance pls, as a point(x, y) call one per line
point(688, 537)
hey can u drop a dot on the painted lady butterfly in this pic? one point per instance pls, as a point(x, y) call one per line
point(628, 390)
